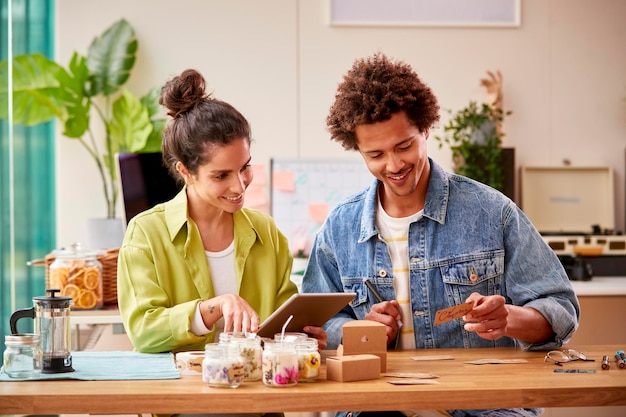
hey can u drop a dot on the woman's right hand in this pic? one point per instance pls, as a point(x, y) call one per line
point(237, 313)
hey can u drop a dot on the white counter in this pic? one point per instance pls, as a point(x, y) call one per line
point(601, 286)
point(104, 316)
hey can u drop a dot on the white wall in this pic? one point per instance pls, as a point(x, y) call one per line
point(279, 62)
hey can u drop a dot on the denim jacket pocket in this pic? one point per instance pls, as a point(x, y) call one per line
point(481, 273)
point(362, 303)
point(352, 284)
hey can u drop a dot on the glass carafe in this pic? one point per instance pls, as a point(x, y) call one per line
point(52, 323)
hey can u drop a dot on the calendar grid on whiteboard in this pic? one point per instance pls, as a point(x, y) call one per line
point(316, 183)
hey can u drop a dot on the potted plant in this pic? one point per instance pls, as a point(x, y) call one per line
point(475, 138)
point(300, 261)
point(87, 92)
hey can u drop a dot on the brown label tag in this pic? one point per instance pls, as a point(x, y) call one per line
point(447, 314)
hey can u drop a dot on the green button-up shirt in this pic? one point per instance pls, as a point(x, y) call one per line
point(163, 273)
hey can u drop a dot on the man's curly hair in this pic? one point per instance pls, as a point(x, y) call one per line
point(372, 91)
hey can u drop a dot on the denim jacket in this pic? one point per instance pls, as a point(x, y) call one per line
point(467, 229)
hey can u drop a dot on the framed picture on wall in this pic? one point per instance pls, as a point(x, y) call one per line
point(452, 13)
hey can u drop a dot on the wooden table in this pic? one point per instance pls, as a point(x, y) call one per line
point(461, 385)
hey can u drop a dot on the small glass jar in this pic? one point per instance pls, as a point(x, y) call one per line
point(250, 350)
point(222, 366)
point(22, 356)
point(78, 274)
point(280, 364)
point(290, 336)
point(309, 359)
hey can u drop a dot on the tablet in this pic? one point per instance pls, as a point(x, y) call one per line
point(308, 309)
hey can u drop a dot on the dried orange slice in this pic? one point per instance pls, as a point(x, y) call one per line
point(92, 278)
point(71, 290)
point(76, 277)
point(58, 278)
point(87, 299)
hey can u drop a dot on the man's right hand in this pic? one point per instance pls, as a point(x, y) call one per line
point(387, 313)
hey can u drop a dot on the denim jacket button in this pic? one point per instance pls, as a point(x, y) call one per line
point(473, 277)
point(382, 273)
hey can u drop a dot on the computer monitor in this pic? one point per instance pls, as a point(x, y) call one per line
point(144, 182)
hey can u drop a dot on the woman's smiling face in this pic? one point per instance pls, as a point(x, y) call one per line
point(223, 180)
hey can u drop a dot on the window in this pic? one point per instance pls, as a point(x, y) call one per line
point(27, 177)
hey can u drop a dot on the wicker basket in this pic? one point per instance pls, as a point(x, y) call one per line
point(109, 273)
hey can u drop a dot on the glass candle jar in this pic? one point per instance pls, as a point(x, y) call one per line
point(222, 366)
point(78, 274)
point(22, 357)
point(250, 350)
point(280, 364)
point(309, 359)
point(290, 336)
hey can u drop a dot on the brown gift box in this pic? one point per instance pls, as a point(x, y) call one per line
point(352, 368)
point(365, 337)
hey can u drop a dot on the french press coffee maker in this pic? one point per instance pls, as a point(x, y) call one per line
point(52, 322)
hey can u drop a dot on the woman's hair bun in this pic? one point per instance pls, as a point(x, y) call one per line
point(183, 92)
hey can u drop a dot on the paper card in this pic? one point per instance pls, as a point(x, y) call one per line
point(432, 358)
point(413, 381)
point(496, 361)
point(447, 314)
point(418, 375)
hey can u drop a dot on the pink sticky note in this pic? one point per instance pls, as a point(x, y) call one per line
point(255, 196)
point(258, 172)
point(300, 244)
point(256, 199)
point(283, 181)
point(318, 212)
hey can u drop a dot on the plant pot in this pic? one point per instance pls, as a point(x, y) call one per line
point(104, 233)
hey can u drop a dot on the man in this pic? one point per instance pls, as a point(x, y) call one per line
point(427, 239)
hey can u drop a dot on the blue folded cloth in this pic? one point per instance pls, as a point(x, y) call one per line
point(117, 365)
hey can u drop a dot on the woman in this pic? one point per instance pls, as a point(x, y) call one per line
point(201, 263)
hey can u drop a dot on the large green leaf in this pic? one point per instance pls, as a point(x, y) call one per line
point(128, 129)
point(151, 102)
point(36, 90)
point(77, 103)
point(153, 144)
point(130, 125)
point(111, 57)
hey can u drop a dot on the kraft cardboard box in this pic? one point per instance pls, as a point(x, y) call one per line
point(365, 337)
point(352, 368)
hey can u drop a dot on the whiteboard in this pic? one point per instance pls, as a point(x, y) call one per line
point(303, 191)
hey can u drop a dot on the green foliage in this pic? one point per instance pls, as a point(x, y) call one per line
point(474, 138)
point(90, 88)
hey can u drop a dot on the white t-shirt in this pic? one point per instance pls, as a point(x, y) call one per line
point(395, 231)
point(222, 267)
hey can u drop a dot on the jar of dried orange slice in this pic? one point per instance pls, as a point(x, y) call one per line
point(78, 274)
